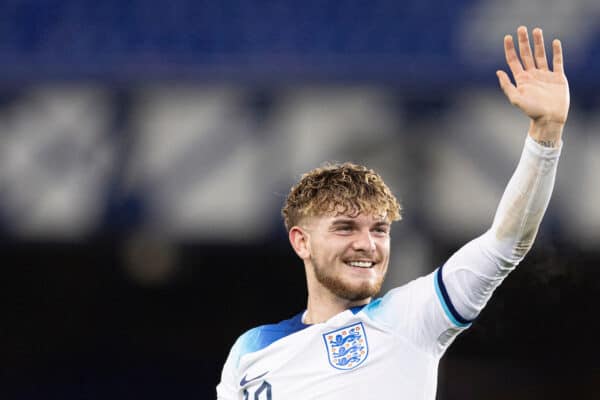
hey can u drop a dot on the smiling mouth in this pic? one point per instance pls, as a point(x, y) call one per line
point(361, 264)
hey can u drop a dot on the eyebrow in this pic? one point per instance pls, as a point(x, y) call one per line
point(344, 221)
point(382, 223)
point(352, 222)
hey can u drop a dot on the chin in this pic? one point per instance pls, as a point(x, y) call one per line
point(349, 286)
point(359, 292)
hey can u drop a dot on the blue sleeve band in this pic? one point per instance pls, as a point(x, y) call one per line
point(447, 305)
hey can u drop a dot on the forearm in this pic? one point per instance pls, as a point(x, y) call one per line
point(524, 201)
point(472, 273)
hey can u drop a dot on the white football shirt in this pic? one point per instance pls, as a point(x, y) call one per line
point(391, 346)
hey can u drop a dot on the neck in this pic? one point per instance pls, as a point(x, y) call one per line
point(321, 307)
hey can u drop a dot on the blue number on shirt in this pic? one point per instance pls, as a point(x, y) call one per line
point(265, 387)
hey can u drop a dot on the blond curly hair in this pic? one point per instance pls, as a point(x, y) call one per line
point(339, 189)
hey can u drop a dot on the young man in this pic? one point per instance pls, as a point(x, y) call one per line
point(346, 345)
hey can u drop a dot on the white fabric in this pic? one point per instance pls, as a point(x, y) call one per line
point(473, 272)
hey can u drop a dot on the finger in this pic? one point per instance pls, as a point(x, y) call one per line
point(538, 49)
point(525, 48)
point(511, 56)
point(557, 56)
point(507, 87)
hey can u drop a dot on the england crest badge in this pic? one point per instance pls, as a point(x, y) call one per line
point(347, 347)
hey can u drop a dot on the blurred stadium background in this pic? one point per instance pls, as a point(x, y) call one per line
point(146, 149)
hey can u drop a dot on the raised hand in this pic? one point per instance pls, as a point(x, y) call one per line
point(541, 93)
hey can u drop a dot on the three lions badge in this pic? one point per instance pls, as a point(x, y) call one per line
point(347, 347)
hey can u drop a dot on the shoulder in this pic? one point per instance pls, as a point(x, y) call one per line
point(421, 286)
point(402, 302)
point(262, 336)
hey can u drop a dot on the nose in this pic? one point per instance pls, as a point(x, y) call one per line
point(364, 241)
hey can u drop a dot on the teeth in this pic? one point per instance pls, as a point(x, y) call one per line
point(361, 264)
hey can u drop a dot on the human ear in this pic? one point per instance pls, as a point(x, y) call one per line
point(299, 241)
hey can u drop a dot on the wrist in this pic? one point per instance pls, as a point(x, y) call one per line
point(546, 133)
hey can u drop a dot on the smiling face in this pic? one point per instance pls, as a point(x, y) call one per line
point(347, 256)
point(338, 218)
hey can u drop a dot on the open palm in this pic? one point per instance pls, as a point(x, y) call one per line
point(541, 93)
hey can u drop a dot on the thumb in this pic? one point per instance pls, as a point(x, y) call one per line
point(507, 87)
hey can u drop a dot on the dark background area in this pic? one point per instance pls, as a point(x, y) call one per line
point(120, 280)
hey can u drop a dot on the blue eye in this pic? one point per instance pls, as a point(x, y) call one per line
point(343, 229)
